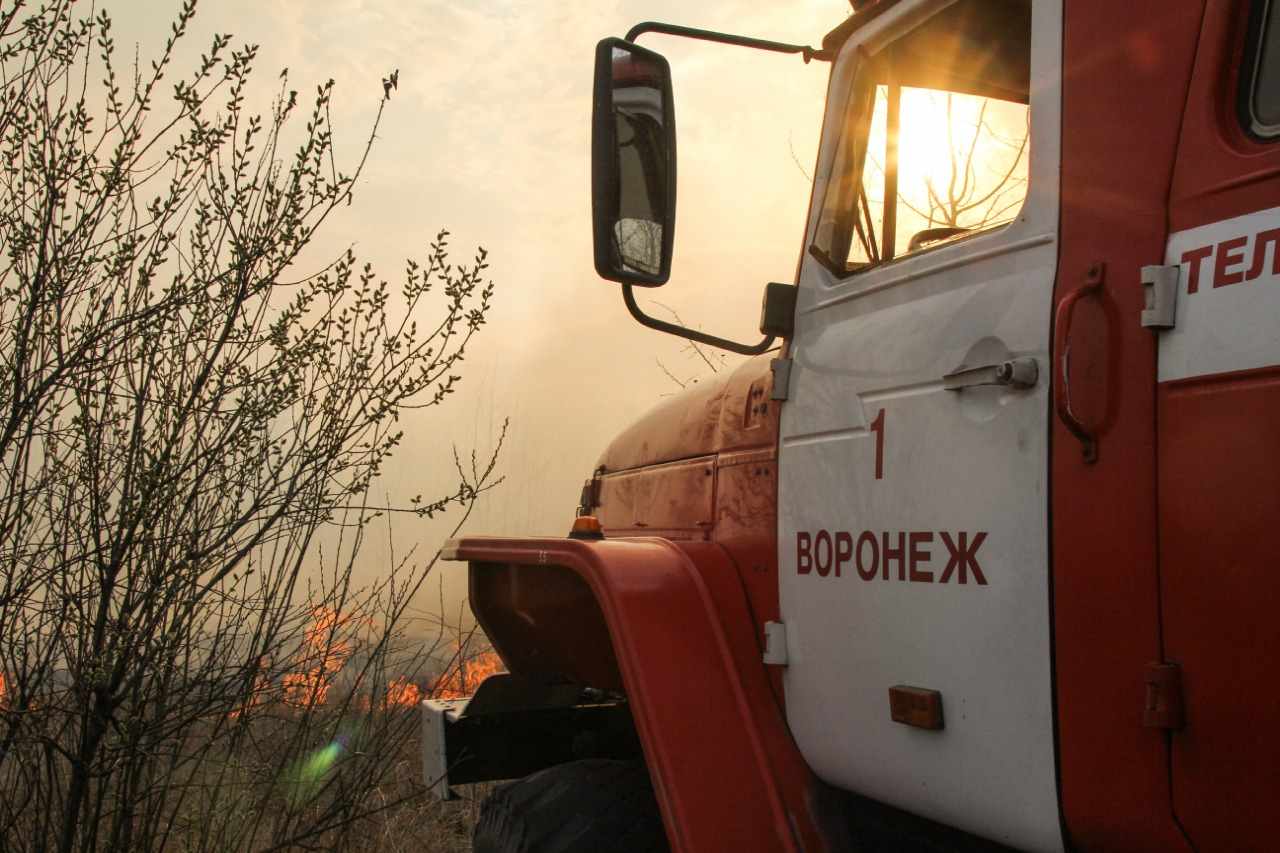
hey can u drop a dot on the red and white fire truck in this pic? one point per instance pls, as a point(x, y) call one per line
point(975, 552)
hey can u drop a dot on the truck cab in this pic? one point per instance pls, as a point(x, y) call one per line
point(973, 552)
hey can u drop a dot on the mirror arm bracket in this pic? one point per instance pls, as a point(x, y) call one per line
point(691, 334)
point(806, 52)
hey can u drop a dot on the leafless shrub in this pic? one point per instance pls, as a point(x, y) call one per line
point(184, 422)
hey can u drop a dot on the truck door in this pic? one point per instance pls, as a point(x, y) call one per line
point(913, 454)
point(1218, 402)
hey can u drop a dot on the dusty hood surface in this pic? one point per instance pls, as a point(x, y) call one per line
point(729, 411)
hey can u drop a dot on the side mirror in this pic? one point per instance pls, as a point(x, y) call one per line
point(633, 164)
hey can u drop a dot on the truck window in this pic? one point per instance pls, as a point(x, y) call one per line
point(1260, 82)
point(934, 145)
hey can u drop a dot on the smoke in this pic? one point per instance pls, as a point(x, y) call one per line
point(488, 134)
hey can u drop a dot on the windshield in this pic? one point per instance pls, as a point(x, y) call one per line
point(934, 142)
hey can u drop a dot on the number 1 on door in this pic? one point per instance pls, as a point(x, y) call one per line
point(877, 426)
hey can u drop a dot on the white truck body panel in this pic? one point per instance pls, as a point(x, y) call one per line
point(1227, 323)
point(956, 463)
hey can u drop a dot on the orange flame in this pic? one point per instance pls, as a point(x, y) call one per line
point(325, 653)
point(321, 645)
point(458, 683)
point(3, 703)
point(402, 691)
point(463, 679)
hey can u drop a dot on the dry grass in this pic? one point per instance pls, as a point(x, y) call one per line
point(427, 825)
point(413, 822)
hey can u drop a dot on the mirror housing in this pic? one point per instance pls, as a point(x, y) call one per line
point(633, 164)
point(778, 310)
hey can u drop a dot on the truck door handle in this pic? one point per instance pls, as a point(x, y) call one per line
point(1062, 340)
point(1014, 373)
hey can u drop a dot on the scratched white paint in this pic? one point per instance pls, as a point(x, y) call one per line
point(973, 461)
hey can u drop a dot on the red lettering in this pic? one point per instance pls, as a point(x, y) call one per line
point(1260, 244)
point(844, 549)
point(964, 557)
point(1193, 258)
point(822, 565)
point(877, 426)
point(899, 554)
point(804, 558)
point(867, 571)
point(1230, 253)
point(919, 555)
point(874, 555)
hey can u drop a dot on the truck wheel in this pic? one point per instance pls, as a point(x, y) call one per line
point(577, 807)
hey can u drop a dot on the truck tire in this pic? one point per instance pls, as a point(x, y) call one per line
point(581, 806)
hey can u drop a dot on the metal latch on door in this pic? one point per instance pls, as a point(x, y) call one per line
point(1159, 296)
point(775, 643)
point(1014, 373)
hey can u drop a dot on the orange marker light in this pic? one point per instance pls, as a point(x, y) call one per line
point(915, 706)
point(586, 527)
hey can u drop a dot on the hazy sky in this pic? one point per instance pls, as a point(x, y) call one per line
point(488, 134)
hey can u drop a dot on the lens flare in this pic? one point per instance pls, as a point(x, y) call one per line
point(307, 776)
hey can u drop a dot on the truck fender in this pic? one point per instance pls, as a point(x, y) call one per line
point(669, 624)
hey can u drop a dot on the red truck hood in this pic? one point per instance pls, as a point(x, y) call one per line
point(729, 411)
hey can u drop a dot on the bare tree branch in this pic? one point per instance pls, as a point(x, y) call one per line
point(189, 430)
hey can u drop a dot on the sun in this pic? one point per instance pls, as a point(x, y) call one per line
point(926, 140)
point(962, 159)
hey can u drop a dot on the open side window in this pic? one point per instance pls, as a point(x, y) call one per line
point(934, 143)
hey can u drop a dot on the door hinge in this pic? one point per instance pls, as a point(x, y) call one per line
point(775, 643)
point(781, 368)
point(1160, 296)
point(1163, 708)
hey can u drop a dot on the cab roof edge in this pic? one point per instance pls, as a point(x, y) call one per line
point(864, 11)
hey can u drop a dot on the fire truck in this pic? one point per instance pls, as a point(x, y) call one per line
point(973, 552)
